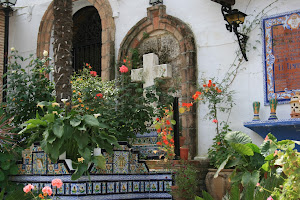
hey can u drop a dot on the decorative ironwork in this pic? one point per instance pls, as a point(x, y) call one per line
point(234, 18)
point(225, 2)
point(87, 39)
point(155, 2)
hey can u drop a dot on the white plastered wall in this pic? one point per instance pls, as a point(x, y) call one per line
point(216, 48)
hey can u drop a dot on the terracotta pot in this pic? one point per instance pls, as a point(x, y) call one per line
point(181, 141)
point(217, 187)
point(184, 153)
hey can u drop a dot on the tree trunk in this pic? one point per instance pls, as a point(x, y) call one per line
point(62, 47)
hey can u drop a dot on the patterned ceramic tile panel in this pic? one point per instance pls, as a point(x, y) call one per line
point(97, 188)
point(61, 190)
point(89, 188)
point(153, 186)
point(62, 169)
point(78, 188)
point(39, 163)
point(147, 186)
point(142, 186)
point(129, 186)
point(123, 187)
point(161, 186)
point(50, 169)
point(121, 162)
point(67, 188)
point(21, 168)
point(117, 187)
point(104, 191)
point(136, 186)
point(168, 185)
point(109, 157)
point(133, 169)
point(133, 158)
point(111, 187)
point(28, 169)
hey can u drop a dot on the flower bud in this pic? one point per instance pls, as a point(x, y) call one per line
point(45, 53)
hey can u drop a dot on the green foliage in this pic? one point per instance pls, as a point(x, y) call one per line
point(27, 85)
point(219, 150)
point(272, 160)
point(187, 182)
point(71, 131)
point(123, 105)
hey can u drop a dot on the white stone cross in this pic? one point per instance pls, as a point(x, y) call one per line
point(151, 70)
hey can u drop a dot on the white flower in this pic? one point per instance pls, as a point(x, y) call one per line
point(64, 100)
point(39, 105)
point(55, 104)
point(12, 49)
point(45, 53)
point(55, 112)
point(43, 60)
point(97, 115)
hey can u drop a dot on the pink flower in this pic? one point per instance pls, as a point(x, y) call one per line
point(123, 69)
point(257, 184)
point(270, 198)
point(267, 138)
point(215, 121)
point(47, 190)
point(57, 182)
point(93, 73)
point(275, 153)
point(28, 188)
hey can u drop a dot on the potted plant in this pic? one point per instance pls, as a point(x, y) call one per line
point(186, 182)
point(69, 130)
point(219, 100)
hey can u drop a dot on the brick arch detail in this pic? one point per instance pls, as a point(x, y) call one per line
point(108, 35)
point(156, 20)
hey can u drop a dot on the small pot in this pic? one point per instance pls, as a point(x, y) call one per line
point(184, 153)
point(181, 140)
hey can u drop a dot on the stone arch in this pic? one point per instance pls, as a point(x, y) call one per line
point(108, 35)
point(157, 21)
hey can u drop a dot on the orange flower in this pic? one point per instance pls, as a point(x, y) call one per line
point(159, 143)
point(82, 105)
point(219, 91)
point(87, 108)
point(79, 93)
point(218, 143)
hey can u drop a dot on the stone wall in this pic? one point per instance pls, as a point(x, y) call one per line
point(174, 43)
point(2, 26)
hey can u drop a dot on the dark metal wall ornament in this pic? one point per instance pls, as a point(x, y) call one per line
point(87, 39)
point(155, 2)
point(234, 18)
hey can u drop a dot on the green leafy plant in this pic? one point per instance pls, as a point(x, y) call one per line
point(219, 99)
point(27, 86)
point(186, 182)
point(68, 130)
point(273, 167)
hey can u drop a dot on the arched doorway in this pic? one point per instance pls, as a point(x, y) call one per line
point(87, 34)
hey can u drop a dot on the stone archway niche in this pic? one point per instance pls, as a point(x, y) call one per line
point(108, 35)
point(173, 41)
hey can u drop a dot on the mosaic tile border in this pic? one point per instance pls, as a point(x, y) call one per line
point(268, 57)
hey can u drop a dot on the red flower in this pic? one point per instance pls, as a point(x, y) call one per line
point(215, 121)
point(168, 122)
point(166, 142)
point(204, 85)
point(164, 138)
point(159, 130)
point(90, 67)
point(209, 81)
point(214, 85)
point(124, 60)
point(87, 64)
point(218, 143)
point(93, 73)
point(99, 95)
point(172, 140)
point(159, 143)
point(123, 69)
point(157, 119)
point(219, 91)
point(209, 85)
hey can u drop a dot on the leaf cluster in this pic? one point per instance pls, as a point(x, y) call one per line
point(73, 132)
point(27, 85)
